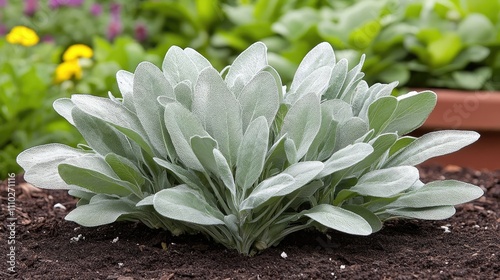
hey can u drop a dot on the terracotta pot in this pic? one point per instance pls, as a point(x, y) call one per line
point(468, 110)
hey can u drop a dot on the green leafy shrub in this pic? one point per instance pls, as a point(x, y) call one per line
point(240, 158)
point(430, 43)
point(71, 22)
point(26, 96)
point(28, 89)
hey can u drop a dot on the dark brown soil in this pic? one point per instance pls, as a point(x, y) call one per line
point(406, 249)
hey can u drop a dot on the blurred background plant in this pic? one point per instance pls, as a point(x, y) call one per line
point(427, 43)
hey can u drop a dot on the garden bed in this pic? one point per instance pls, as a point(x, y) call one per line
point(466, 246)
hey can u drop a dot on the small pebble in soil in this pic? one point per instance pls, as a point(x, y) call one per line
point(59, 206)
point(120, 265)
point(76, 238)
point(115, 240)
point(284, 255)
point(342, 266)
point(446, 229)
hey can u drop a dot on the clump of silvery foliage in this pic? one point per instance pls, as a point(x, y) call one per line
point(237, 156)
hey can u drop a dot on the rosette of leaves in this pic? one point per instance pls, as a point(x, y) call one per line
point(237, 156)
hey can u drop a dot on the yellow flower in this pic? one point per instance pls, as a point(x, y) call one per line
point(68, 70)
point(77, 51)
point(22, 35)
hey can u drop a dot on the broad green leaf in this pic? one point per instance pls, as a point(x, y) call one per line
point(202, 148)
point(108, 111)
point(276, 156)
point(182, 125)
point(443, 50)
point(184, 94)
point(476, 29)
point(431, 145)
point(381, 144)
point(99, 135)
point(339, 219)
point(350, 131)
point(326, 133)
point(81, 194)
point(296, 23)
point(269, 69)
point(290, 180)
point(40, 165)
point(368, 215)
point(333, 112)
point(100, 213)
point(186, 176)
point(200, 61)
point(427, 213)
point(473, 53)
point(94, 174)
point(337, 79)
point(182, 204)
point(386, 182)
point(303, 173)
point(320, 56)
point(341, 110)
point(395, 72)
point(266, 190)
point(135, 138)
point(219, 111)
point(380, 113)
point(266, 10)
point(365, 96)
point(177, 67)
point(63, 107)
point(125, 81)
point(439, 193)
point(252, 153)
point(149, 84)
point(260, 97)
point(247, 64)
point(232, 222)
point(400, 144)
point(291, 151)
point(114, 114)
point(316, 82)
point(412, 110)
point(352, 79)
point(302, 122)
point(125, 169)
point(472, 80)
point(147, 201)
point(345, 158)
point(224, 171)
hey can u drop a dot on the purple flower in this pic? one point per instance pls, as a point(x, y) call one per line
point(114, 29)
point(96, 9)
point(30, 7)
point(54, 4)
point(3, 29)
point(141, 32)
point(48, 39)
point(74, 3)
point(115, 10)
point(3, 3)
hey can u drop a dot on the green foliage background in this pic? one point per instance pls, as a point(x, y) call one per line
point(442, 43)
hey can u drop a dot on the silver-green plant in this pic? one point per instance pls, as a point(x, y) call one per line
point(239, 157)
